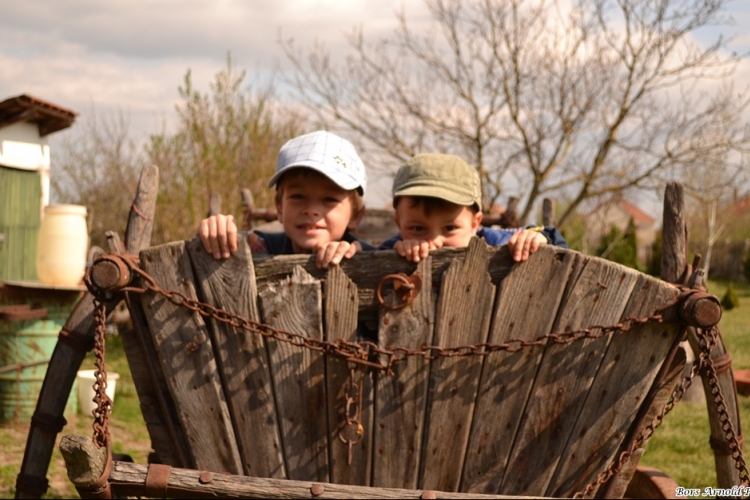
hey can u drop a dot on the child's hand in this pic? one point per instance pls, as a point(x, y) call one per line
point(524, 243)
point(415, 250)
point(219, 235)
point(333, 252)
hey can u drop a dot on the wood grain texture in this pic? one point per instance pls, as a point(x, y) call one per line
point(341, 309)
point(295, 305)
point(627, 372)
point(527, 302)
point(128, 479)
point(674, 233)
point(597, 295)
point(402, 397)
point(618, 484)
point(366, 269)
point(242, 358)
point(187, 359)
point(143, 211)
point(462, 317)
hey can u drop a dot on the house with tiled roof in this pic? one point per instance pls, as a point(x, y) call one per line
point(619, 212)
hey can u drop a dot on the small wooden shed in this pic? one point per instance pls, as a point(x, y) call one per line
point(25, 123)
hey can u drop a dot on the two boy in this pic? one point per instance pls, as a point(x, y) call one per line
point(320, 181)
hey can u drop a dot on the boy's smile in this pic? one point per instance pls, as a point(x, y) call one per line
point(313, 210)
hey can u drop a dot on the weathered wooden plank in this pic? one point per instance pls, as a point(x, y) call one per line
point(128, 480)
point(242, 358)
point(526, 307)
point(402, 397)
point(597, 295)
point(341, 323)
point(628, 371)
point(462, 317)
point(618, 484)
point(295, 305)
point(367, 268)
point(187, 359)
point(157, 407)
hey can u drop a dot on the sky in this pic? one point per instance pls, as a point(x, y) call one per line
point(107, 56)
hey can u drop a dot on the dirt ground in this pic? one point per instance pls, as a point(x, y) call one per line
point(13, 442)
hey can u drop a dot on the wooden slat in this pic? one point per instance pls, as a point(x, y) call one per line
point(341, 323)
point(598, 293)
point(527, 302)
point(627, 373)
point(187, 359)
point(402, 397)
point(463, 317)
point(295, 305)
point(242, 358)
point(167, 436)
point(618, 484)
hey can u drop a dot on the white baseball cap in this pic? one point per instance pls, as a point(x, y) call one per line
point(327, 153)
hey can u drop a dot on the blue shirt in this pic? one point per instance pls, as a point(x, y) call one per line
point(498, 237)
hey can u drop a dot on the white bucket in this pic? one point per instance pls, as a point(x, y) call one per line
point(86, 392)
point(62, 245)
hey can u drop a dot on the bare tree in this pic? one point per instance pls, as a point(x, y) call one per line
point(546, 99)
point(98, 167)
point(227, 139)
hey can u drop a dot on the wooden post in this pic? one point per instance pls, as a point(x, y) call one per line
point(673, 265)
point(84, 461)
point(214, 204)
point(248, 205)
point(674, 231)
point(548, 213)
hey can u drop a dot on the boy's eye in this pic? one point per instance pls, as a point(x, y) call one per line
point(296, 196)
point(331, 199)
point(451, 228)
point(416, 229)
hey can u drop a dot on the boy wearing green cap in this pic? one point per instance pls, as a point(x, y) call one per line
point(437, 200)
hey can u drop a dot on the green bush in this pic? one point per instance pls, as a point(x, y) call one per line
point(730, 299)
point(619, 246)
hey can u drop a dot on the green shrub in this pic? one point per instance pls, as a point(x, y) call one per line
point(730, 299)
point(746, 266)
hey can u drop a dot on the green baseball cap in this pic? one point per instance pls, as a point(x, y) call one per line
point(443, 176)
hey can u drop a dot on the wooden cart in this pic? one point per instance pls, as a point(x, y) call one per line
point(466, 374)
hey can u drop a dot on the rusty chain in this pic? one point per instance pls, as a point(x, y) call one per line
point(352, 421)
point(103, 403)
point(361, 354)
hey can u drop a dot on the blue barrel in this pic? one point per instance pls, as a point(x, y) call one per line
point(27, 346)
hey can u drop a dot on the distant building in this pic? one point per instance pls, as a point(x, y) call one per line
point(619, 212)
point(25, 123)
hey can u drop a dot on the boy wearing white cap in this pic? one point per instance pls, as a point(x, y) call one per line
point(320, 181)
point(437, 200)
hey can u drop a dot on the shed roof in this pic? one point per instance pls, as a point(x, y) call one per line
point(49, 117)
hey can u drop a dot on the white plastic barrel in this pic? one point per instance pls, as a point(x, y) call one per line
point(62, 245)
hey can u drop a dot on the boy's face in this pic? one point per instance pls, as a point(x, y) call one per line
point(313, 210)
point(454, 226)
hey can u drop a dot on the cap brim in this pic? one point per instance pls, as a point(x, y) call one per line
point(342, 180)
point(437, 192)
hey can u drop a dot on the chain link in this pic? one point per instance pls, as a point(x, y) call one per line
point(103, 403)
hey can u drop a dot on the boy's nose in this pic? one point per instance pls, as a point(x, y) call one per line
point(313, 208)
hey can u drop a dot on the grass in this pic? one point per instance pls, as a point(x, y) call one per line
point(679, 447)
